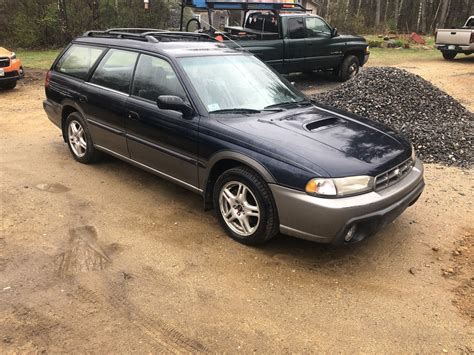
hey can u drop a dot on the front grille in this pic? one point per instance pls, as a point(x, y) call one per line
point(393, 175)
point(4, 62)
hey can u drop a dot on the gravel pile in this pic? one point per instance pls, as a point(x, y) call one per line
point(440, 128)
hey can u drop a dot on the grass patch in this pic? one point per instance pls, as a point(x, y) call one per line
point(392, 56)
point(37, 59)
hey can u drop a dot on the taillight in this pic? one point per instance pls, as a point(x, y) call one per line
point(47, 79)
point(472, 37)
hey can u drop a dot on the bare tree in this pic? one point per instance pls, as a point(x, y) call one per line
point(378, 4)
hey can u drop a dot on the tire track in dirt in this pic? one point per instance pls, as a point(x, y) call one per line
point(164, 336)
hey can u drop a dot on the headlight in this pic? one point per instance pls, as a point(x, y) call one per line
point(340, 186)
point(13, 56)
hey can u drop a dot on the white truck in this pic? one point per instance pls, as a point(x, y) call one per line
point(456, 40)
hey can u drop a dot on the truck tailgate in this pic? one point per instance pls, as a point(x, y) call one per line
point(460, 37)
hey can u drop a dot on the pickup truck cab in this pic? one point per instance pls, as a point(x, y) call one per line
point(456, 40)
point(298, 42)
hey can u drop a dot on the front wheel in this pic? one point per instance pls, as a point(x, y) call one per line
point(245, 206)
point(349, 68)
point(449, 55)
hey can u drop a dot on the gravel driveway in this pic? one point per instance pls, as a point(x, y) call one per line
point(108, 258)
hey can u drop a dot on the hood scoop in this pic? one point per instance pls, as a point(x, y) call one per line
point(323, 123)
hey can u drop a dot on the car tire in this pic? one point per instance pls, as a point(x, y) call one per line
point(9, 86)
point(79, 139)
point(349, 68)
point(449, 55)
point(245, 206)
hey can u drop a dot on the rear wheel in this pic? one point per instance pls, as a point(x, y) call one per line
point(245, 206)
point(9, 85)
point(349, 68)
point(449, 55)
point(79, 140)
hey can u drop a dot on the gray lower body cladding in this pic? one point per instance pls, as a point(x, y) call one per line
point(327, 220)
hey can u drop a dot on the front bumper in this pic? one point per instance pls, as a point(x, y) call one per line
point(327, 220)
point(366, 58)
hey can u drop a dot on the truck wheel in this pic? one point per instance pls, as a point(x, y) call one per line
point(449, 55)
point(9, 86)
point(349, 68)
point(245, 206)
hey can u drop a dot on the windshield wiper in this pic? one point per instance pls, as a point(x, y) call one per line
point(287, 104)
point(236, 110)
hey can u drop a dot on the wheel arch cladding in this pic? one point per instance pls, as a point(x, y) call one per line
point(67, 110)
point(226, 163)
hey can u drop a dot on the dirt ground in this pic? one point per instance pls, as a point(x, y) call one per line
point(108, 258)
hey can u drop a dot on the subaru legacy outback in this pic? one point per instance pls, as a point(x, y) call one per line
point(221, 123)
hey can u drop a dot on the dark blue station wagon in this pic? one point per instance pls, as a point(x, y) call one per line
point(221, 123)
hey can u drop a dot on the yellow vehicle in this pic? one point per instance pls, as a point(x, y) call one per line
point(11, 69)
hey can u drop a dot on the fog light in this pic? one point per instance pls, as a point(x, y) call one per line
point(350, 233)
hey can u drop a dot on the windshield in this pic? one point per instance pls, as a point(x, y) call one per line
point(235, 82)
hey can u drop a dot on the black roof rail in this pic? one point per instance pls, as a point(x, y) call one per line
point(178, 35)
point(134, 29)
point(119, 35)
point(149, 35)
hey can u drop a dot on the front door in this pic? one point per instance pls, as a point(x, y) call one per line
point(320, 50)
point(161, 139)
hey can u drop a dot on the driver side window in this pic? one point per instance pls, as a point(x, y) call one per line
point(316, 27)
point(155, 77)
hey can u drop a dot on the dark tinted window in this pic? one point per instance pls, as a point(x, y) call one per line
point(154, 77)
point(78, 60)
point(316, 27)
point(115, 70)
point(470, 23)
point(296, 28)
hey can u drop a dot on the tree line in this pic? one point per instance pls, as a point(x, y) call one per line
point(398, 16)
point(52, 23)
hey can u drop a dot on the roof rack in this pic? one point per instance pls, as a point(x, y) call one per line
point(134, 29)
point(148, 34)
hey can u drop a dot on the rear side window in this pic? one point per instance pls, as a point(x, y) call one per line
point(296, 28)
point(115, 70)
point(155, 77)
point(78, 60)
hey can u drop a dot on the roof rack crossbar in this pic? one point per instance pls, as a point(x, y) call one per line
point(146, 35)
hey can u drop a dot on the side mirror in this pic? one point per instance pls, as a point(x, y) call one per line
point(334, 32)
point(175, 103)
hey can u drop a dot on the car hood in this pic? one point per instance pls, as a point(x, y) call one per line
point(4, 52)
point(351, 38)
point(323, 140)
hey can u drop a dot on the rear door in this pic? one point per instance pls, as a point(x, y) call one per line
point(320, 50)
point(295, 45)
point(161, 139)
point(104, 99)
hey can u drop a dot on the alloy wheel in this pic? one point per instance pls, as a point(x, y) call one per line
point(77, 138)
point(239, 208)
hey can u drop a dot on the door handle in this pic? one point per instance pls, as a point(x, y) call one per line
point(133, 115)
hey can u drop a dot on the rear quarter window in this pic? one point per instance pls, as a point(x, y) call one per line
point(78, 60)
